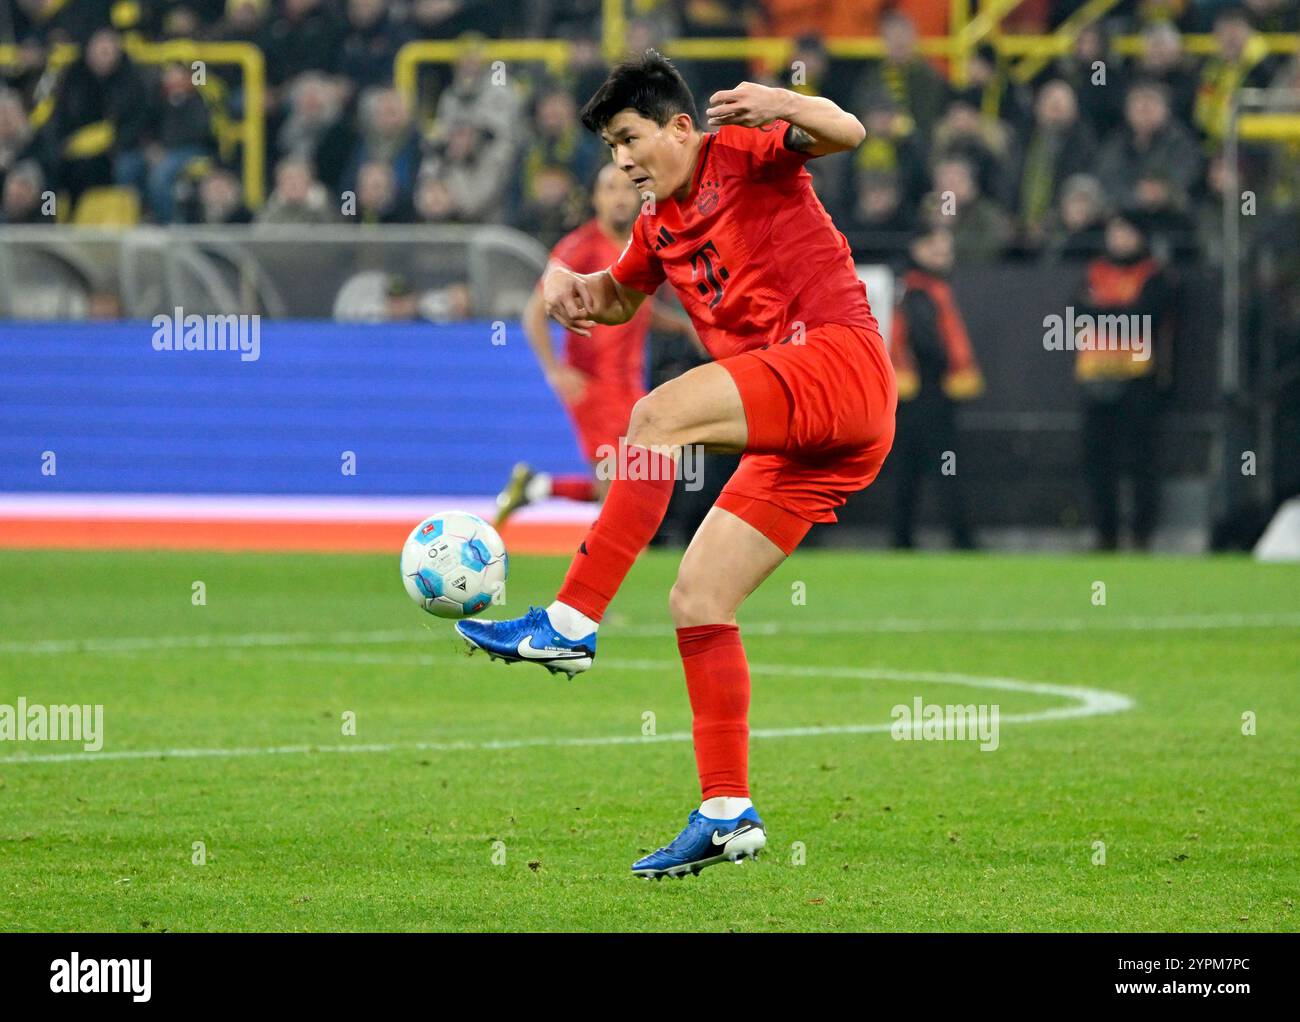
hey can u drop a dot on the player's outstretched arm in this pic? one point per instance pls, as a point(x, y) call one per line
point(568, 382)
point(578, 301)
point(817, 126)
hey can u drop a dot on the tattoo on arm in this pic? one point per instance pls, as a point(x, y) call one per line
point(798, 139)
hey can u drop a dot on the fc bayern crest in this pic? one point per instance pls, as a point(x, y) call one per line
point(708, 199)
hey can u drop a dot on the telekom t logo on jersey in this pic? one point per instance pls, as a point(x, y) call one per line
point(715, 276)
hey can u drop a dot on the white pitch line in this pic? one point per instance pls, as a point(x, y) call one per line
point(1087, 702)
point(811, 627)
point(146, 643)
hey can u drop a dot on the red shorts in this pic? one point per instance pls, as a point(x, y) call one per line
point(821, 421)
point(601, 415)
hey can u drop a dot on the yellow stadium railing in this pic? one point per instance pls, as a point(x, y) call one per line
point(1062, 39)
point(613, 20)
point(1269, 127)
point(970, 32)
point(249, 131)
point(775, 52)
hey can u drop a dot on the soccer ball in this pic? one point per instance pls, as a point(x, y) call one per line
point(454, 564)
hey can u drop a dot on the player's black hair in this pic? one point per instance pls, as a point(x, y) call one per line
point(649, 85)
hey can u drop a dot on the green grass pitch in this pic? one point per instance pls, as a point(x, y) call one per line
point(477, 796)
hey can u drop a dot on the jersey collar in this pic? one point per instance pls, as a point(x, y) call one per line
point(705, 148)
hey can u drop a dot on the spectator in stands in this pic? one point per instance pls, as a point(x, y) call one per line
point(244, 22)
point(989, 91)
point(179, 133)
point(567, 20)
point(1163, 216)
point(101, 108)
point(555, 207)
point(1274, 15)
point(809, 70)
point(980, 228)
point(587, 67)
point(1119, 388)
point(317, 129)
point(179, 22)
point(15, 132)
point(21, 202)
point(221, 199)
point(1208, 213)
point(920, 91)
point(28, 70)
point(1097, 76)
point(700, 19)
point(53, 21)
point(306, 35)
point(164, 19)
point(434, 203)
point(558, 141)
point(401, 303)
point(298, 198)
point(103, 306)
point(482, 95)
point(891, 149)
point(1060, 145)
point(1172, 12)
point(378, 199)
point(1240, 62)
point(1078, 230)
point(370, 45)
point(1151, 142)
point(650, 31)
point(374, 296)
point(387, 135)
point(451, 304)
point(450, 19)
point(1163, 61)
point(881, 222)
point(475, 167)
point(936, 369)
point(984, 142)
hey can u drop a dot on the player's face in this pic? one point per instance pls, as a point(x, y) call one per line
point(655, 158)
point(615, 199)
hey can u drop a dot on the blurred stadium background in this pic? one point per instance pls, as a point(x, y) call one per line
point(198, 155)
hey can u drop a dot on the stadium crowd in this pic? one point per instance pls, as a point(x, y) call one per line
point(1034, 168)
point(1112, 163)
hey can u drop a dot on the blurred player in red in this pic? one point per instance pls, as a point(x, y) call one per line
point(601, 374)
point(801, 384)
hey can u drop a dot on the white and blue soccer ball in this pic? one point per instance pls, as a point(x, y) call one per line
point(454, 564)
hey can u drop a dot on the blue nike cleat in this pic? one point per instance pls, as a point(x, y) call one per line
point(529, 639)
point(704, 842)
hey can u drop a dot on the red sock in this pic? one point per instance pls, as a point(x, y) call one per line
point(630, 517)
point(573, 487)
point(717, 678)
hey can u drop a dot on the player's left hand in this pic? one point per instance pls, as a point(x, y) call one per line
point(749, 105)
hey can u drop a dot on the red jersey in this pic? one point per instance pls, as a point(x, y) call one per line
point(751, 251)
point(613, 355)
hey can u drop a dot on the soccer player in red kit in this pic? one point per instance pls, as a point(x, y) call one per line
point(801, 384)
point(601, 373)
